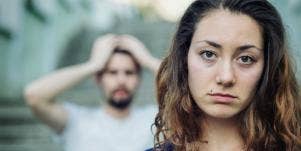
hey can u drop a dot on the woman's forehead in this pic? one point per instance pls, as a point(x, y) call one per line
point(223, 27)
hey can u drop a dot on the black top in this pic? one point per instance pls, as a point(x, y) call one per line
point(165, 147)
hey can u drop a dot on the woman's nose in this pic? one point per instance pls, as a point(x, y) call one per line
point(226, 75)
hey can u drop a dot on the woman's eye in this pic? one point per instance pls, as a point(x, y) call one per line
point(208, 55)
point(246, 60)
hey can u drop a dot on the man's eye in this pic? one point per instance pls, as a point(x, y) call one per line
point(246, 60)
point(112, 72)
point(130, 72)
point(208, 55)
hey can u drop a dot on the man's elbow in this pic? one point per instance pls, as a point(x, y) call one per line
point(31, 96)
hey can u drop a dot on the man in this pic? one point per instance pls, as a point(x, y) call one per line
point(115, 63)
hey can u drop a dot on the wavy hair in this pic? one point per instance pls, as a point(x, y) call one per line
point(271, 121)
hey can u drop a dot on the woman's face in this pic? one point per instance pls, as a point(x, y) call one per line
point(225, 63)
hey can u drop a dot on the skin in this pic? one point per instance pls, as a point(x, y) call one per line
point(225, 63)
point(120, 79)
point(226, 57)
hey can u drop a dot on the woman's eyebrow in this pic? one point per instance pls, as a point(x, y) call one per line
point(248, 46)
point(211, 43)
point(219, 46)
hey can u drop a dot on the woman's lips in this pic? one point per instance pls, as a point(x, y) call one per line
point(222, 98)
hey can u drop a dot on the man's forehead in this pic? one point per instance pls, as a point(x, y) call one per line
point(120, 61)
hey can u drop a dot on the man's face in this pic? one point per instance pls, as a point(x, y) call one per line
point(120, 79)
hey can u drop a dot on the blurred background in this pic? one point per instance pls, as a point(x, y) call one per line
point(39, 36)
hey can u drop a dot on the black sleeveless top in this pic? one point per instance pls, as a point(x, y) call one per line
point(165, 147)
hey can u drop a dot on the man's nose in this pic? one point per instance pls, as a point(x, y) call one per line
point(226, 74)
point(121, 78)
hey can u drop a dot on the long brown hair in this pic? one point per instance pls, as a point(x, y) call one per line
point(272, 121)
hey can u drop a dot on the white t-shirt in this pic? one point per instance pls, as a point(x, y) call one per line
point(94, 130)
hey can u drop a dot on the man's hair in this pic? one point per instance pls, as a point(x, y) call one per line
point(125, 52)
point(272, 119)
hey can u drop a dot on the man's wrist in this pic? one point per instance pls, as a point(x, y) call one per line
point(152, 63)
point(91, 68)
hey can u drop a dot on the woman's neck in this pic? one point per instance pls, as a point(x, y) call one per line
point(222, 134)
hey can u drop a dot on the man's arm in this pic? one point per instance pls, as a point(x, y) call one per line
point(40, 95)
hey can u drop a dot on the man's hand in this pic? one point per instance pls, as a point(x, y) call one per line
point(139, 51)
point(101, 51)
point(136, 47)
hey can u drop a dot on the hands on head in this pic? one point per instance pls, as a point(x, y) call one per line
point(104, 46)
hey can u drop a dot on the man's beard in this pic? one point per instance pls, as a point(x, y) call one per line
point(120, 104)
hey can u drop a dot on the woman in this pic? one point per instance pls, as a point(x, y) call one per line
point(228, 83)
